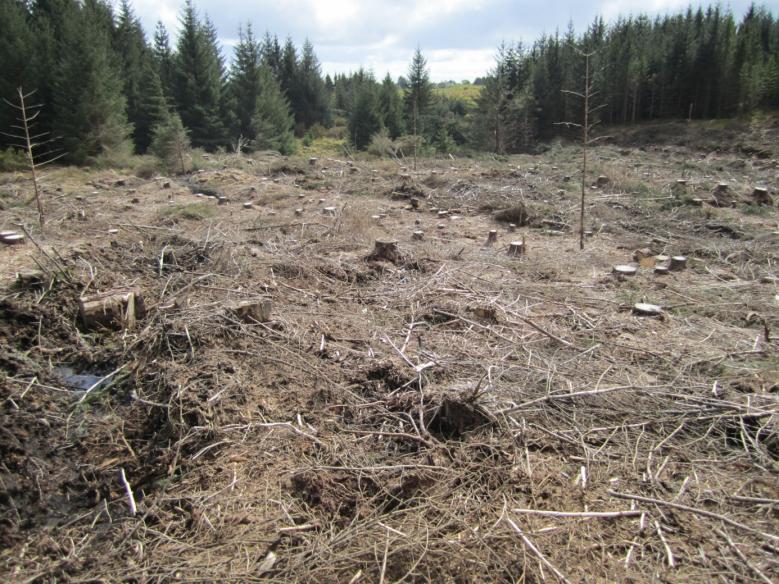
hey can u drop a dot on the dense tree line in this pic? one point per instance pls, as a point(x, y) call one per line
point(107, 89)
point(695, 64)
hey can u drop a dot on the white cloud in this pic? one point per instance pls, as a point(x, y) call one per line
point(150, 11)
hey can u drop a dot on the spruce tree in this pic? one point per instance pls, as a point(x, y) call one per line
point(391, 107)
point(288, 76)
point(273, 121)
point(16, 50)
point(365, 119)
point(170, 143)
point(417, 98)
point(271, 54)
point(199, 78)
point(88, 104)
point(313, 107)
point(142, 88)
point(244, 87)
point(163, 60)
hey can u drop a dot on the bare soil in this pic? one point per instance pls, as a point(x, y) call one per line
point(423, 417)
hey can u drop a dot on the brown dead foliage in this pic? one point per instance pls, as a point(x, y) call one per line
point(458, 416)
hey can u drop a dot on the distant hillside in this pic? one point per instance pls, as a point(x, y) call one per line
point(467, 92)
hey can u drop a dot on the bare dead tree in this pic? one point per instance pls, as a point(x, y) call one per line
point(25, 139)
point(586, 126)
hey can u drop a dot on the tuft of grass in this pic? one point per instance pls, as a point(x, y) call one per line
point(759, 210)
point(190, 211)
point(323, 146)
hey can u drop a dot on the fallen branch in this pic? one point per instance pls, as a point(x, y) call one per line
point(590, 392)
point(581, 515)
point(742, 557)
point(537, 552)
point(696, 511)
point(291, 428)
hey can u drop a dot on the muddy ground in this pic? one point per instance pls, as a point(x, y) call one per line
point(449, 413)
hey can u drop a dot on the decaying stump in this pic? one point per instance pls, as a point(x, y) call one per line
point(492, 237)
point(253, 310)
point(518, 215)
point(516, 248)
point(624, 270)
point(644, 257)
point(385, 250)
point(115, 309)
point(678, 263)
point(721, 196)
point(760, 196)
point(644, 309)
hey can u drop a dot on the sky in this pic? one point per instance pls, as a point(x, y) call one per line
point(457, 37)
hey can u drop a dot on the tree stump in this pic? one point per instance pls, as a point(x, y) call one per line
point(661, 270)
point(602, 181)
point(644, 309)
point(678, 263)
point(116, 309)
point(696, 202)
point(721, 195)
point(512, 227)
point(12, 238)
point(441, 226)
point(644, 257)
point(221, 200)
point(248, 205)
point(298, 211)
point(28, 280)
point(253, 310)
point(443, 214)
point(761, 197)
point(386, 250)
point(516, 249)
point(312, 161)
point(492, 237)
point(418, 235)
point(624, 270)
point(330, 211)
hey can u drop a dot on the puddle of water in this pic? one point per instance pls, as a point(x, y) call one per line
point(78, 381)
